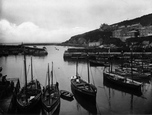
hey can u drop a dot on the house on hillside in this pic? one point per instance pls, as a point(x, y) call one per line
point(93, 44)
point(146, 31)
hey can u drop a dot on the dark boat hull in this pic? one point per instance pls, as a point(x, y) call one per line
point(66, 95)
point(34, 107)
point(125, 90)
point(130, 86)
point(83, 93)
point(50, 108)
point(32, 104)
point(87, 103)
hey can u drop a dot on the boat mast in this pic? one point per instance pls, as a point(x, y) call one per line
point(49, 82)
point(88, 70)
point(25, 73)
point(31, 70)
point(77, 68)
point(52, 75)
point(48, 76)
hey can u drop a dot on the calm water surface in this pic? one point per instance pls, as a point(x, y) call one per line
point(109, 100)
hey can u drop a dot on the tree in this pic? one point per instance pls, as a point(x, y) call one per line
point(104, 27)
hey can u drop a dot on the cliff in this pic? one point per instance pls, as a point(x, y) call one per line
point(104, 37)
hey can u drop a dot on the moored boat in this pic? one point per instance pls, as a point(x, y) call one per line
point(82, 87)
point(28, 98)
point(50, 98)
point(121, 89)
point(66, 95)
point(122, 81)
point(88, 105)
point(135, 75)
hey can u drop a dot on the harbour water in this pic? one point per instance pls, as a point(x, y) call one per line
point(109, 100)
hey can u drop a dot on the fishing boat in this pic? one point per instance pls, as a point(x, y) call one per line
point(51, 95)
point(121, 89)
point(126, 72)
point(82, 87)
point(28, 98)
point(89, 106)
point(121, 81)
point(66, 95)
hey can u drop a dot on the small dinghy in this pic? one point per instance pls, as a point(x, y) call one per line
point(66, 95)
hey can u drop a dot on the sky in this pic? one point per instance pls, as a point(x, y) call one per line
point(59, 20)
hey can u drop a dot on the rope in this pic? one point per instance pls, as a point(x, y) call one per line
point(34, 72)
point(21, 74)
point(28, 69)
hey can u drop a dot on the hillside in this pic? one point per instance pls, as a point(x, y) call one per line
point(94, 36)
point(105, 37)
point(143, 20)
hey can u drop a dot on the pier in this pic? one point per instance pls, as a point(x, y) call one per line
point(20, 49)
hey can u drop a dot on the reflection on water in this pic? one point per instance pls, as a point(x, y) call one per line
point(121, 89)
point(109, 99)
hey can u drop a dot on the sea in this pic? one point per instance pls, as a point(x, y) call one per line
point(109, 99)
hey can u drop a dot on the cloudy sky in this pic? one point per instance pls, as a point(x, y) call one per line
point(58, 20)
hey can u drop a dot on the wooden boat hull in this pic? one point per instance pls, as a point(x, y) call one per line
point(66, 95)
point(82, 91)
point(129, 85)
point(31, 104)
point(87, 103)
point(118, 88)
point(50, 107)
point(31, 107)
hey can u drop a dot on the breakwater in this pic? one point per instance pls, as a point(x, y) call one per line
point(21, 49)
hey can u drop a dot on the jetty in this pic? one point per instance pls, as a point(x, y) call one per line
point(20, 49)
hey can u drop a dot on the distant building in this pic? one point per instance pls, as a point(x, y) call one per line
point(146, 31)
point(131, 31)
point(92, 44)
point(116, 33)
